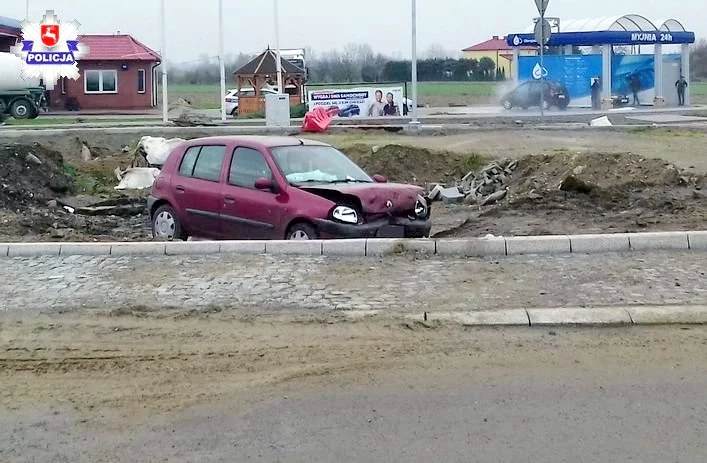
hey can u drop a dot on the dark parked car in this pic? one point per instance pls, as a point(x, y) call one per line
point(527, 95)
point(278, 188)
point(350, 110)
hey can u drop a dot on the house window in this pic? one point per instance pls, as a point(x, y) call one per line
point(104, 81)
point(141, 81)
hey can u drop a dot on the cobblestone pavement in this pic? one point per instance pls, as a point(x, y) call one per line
point(401, 283)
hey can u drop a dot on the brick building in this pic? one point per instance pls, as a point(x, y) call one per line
point(118, 73)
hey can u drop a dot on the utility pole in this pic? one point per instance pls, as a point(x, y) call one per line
point(414, 119)
point(165, 99)
point(280, 88)
point(222, 60)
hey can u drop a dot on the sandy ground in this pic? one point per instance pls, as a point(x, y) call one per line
point(100, 386)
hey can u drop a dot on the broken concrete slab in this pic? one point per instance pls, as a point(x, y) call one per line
point(451, 195)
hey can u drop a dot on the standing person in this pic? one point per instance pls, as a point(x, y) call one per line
point(377, 108)
point(391, 109)
point(635, 88)
point(681, 85)
point(596, 93)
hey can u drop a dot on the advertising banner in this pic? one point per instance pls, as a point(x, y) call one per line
point(628, 73)
point(574, 71)
point(360, 101)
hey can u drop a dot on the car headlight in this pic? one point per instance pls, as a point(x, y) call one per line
point(422, 211)
point(345, 214)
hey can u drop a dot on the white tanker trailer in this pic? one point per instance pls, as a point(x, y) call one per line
point(19, 97)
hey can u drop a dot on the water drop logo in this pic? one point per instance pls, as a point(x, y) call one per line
point(517, 41)
point(539, 72)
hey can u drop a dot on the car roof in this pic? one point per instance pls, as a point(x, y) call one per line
point(269, 141)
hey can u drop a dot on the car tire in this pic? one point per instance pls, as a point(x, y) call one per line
point(166, 225)
point(507, 105)
point(301, 231)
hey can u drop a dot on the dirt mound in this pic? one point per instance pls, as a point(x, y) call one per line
point(30, 175)
point(611, 176)
point(409, 164)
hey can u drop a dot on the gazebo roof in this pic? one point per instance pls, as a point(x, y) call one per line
point(266, 64)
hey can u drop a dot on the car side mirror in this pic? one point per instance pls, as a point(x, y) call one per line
point(379, 179)
point(264, 184)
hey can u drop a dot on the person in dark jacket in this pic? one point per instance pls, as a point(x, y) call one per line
point(391, 109)
point(681, 85)
point(635, 83)
point(596, 93)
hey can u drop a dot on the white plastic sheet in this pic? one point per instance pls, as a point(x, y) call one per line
point(157, 149)
point(138, 178)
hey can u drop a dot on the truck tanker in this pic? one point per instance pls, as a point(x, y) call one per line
point(19, 97)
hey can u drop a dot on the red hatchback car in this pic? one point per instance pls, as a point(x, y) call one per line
point(278, 188)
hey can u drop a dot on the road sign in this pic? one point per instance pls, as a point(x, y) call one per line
point(542, 6)
point(543, 31)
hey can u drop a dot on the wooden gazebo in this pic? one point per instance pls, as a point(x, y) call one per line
point(262, 72)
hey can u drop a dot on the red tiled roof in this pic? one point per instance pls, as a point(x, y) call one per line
point(494, 44)
point(116, 48)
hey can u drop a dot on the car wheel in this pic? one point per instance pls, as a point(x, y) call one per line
point(507, 104)
point(302, 231)
point(166, 225)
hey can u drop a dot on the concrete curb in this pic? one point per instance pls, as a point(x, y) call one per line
point(598, 316)
point(471, 247)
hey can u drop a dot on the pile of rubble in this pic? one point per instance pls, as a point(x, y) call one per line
point(483, 187)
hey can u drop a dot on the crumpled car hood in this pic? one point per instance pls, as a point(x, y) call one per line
point(376, 198)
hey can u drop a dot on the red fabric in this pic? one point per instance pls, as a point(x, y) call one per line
point(318, 119)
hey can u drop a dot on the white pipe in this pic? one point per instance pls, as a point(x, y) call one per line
point(280, 88)
point(414, 63)
point(165, 100)
point(222, 60)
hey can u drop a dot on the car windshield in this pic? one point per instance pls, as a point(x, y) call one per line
point(304, 164)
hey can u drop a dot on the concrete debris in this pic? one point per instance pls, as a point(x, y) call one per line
point(189, 118)
point(33, 159)
point(600, 122)
point(451, 195)
point(155, 150)
point(86, 153)
point(435, 192)
point(137, 178)
point(486, 186)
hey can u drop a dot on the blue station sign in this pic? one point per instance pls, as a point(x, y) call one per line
point(585, 39)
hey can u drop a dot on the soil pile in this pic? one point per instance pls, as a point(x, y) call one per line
point(30, 175)
point(608, 177)
point(590, 193)
point(35, 187)
point(409, 164)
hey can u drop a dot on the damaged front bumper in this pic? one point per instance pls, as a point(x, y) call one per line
point(392, 227)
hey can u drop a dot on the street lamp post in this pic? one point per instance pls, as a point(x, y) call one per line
point(280, 89)
point(414, 63)
point(165, 100)
point(27, 10)
point(221, 59)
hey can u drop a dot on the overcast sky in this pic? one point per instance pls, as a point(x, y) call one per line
point(326, 24)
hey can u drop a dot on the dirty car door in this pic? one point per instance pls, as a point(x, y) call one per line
point(249, 213)
point(198, 189)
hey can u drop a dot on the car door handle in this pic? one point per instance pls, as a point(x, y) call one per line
point(229, 199)
point(180, 189)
